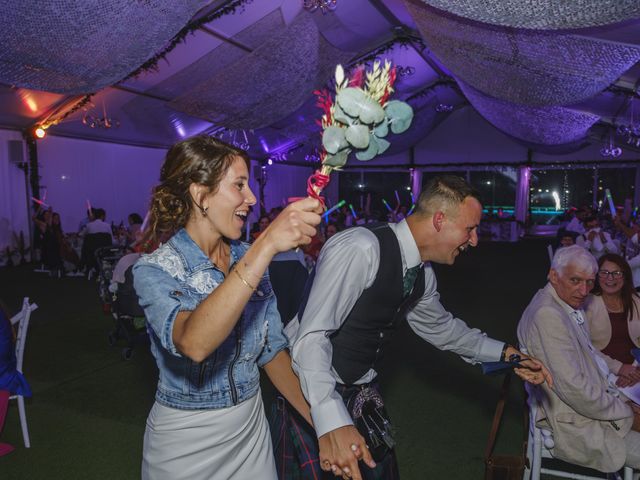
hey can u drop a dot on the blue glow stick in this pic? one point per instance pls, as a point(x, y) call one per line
point(397, 197)
point(335, 207)
point(411, 209)
point(353, 212)
point(387, 205)
point(612, 207)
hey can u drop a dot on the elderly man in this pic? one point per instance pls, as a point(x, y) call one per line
point(368, 280)
point(592, 423)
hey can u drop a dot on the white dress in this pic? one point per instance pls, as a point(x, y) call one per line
point(221, 444)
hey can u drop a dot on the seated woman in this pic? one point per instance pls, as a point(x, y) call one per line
point(263, 223)
point(11, 381)
point(213, 319)
point(613, 314)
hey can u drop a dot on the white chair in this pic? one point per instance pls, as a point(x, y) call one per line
point(540, 442)
point(22, 319)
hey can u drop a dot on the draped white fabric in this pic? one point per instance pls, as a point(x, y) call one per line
point(286, 181)
point(115, 177)
point(13, 203)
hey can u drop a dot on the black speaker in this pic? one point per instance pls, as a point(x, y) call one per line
point(16, 152)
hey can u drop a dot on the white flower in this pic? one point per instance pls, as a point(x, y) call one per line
point(168, 260)
point(202, 282)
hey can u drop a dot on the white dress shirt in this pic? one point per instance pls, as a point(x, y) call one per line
point(595, 246)
point(347, 265)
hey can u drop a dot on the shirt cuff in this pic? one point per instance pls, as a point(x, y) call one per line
point(490, 350)
point(330, 414)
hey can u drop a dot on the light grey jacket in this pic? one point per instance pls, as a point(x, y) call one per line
point(588, 422)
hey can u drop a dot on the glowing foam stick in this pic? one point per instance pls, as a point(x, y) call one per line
point(88, 205)
point(332, 209)
point(411, 209)
point(387, 205)
point(44, 197)
point(397, 197)
point(353, 212)
point(145, 222)
point(612, 207)
point(39, 202)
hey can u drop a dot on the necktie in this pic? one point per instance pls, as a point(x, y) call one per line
point(409, 279)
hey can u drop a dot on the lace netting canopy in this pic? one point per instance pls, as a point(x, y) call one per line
point(542, 14)
point(523, 66)
point(541, 125)
point(81, 46)
point(269, 83)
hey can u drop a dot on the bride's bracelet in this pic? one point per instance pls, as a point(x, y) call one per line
point(243, 280)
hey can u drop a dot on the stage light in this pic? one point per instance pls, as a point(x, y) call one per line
point(270, 162)
point(40, 132)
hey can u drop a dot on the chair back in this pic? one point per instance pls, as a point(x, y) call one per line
point(91, 243)
point(540, 445)
point(22, 319)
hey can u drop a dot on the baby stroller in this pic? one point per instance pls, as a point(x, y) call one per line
point(106, 260)
point(129, 316)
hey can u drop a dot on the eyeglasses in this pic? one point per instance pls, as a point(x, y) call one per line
point(607, 273)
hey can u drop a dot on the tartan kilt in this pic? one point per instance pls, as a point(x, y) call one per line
point(295, 447)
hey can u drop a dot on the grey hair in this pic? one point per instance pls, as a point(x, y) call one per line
point(575, 255)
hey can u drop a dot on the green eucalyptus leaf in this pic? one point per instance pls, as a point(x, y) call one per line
point(338, 160)
point(333, 139)
point(400, 115)
point(340, 116)
point(359, 105)
point(383, 145)
point(358, 136)
point(369, 153)
point(382, 130)
point(400, 126)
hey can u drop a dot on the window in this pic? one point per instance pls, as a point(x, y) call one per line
point(382, 186)
point(497, 188)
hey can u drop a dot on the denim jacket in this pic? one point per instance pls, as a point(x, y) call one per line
point(177, 277)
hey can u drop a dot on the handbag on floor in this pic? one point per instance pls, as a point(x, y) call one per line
point(504, 467)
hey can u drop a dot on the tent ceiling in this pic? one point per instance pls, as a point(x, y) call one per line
point(248, 74)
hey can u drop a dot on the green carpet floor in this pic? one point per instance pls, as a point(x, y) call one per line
point(87, 414)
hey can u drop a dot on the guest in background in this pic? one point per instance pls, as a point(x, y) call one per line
point(67, 253)
point(263, 223)
point(99, 225)
point(213, 318)
point(613, 314)
point(595, 239)
point(83, 223)
point(135, 223)
point(565, 238)
point(51, 258)
point(632, 252)
point(577, 219)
